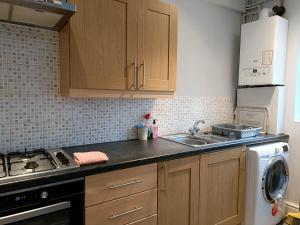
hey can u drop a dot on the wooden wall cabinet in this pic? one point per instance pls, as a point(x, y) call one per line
point(157, 45)
point(119, 48)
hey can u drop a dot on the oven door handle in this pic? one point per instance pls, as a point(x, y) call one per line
point(34, 213)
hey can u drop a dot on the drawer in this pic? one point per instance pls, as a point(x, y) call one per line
point(125, 210)
point(151, 220)
point(105, 187)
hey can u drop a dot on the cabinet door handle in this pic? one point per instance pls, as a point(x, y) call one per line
point(165, 185)
point(125, 213)
point(135, 74)
point(126, 184)
point(144, 74)
point(130, 85)
point(244, 157)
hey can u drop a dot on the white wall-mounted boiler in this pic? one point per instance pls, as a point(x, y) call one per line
point(263, 52)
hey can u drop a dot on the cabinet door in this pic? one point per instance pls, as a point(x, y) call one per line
point(178, 193)
point(222, 178)
point(103, 44)
point(157, 45)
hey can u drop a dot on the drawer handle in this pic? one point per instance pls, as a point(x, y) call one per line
point(126, 184)
point(138, 221)
point(125, 213)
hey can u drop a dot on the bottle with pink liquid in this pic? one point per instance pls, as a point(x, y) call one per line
point(155, 129)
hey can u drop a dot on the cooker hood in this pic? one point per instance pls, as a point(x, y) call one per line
point(47, 14)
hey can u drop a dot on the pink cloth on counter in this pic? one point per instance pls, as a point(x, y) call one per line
point(84, 158)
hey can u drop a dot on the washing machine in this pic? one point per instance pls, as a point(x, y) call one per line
point(267, 180)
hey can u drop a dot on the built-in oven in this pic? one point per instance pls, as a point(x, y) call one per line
point(59, 203)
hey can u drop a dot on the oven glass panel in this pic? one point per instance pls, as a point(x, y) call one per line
point(56, 218)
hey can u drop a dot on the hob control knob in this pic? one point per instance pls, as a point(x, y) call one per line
point(44, 195)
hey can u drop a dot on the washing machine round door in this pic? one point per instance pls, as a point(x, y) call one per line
point(275, 179)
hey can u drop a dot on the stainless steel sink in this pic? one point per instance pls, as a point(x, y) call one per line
point(213, 138)
point(192, 141)
point(195, 141)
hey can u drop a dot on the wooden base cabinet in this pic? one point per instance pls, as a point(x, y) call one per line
point(178, 193)
point(202, 190)
point(222, 188)
point(122, 197)
point(123, 211)
point(198, 190)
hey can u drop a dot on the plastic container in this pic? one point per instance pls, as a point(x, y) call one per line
point(143, 133)
point(232, 130)
point(154, 129)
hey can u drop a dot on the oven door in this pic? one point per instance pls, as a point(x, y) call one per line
point(56, 214)
point(68, 211)
point(47, 205)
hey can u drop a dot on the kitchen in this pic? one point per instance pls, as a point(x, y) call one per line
point(64, 92)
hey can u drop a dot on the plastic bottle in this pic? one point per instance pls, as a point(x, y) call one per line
point(155, 129)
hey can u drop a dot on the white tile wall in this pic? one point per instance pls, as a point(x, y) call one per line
point(33, 115)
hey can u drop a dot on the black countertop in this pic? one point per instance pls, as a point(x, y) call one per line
point(130, 153)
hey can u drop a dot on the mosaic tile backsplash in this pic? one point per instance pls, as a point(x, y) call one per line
point(33, 115)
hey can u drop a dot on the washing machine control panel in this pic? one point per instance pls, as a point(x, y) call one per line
point(281, 150)
point(285, 148)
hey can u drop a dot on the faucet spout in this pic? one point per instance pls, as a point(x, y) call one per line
point(195, 128)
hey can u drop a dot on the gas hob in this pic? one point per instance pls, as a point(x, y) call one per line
point(16, 164)
point(2, 166)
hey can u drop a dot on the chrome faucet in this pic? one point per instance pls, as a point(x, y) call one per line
point(195, 128)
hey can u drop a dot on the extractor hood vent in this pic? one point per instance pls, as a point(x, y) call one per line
point(48, 14)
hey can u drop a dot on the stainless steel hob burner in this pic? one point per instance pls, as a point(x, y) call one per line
point(2, 166)
point(16, 164)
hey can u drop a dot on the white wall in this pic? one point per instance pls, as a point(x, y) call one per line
point(292, 127)
point(238, 5)
point(292, 64)
point(208, 49)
